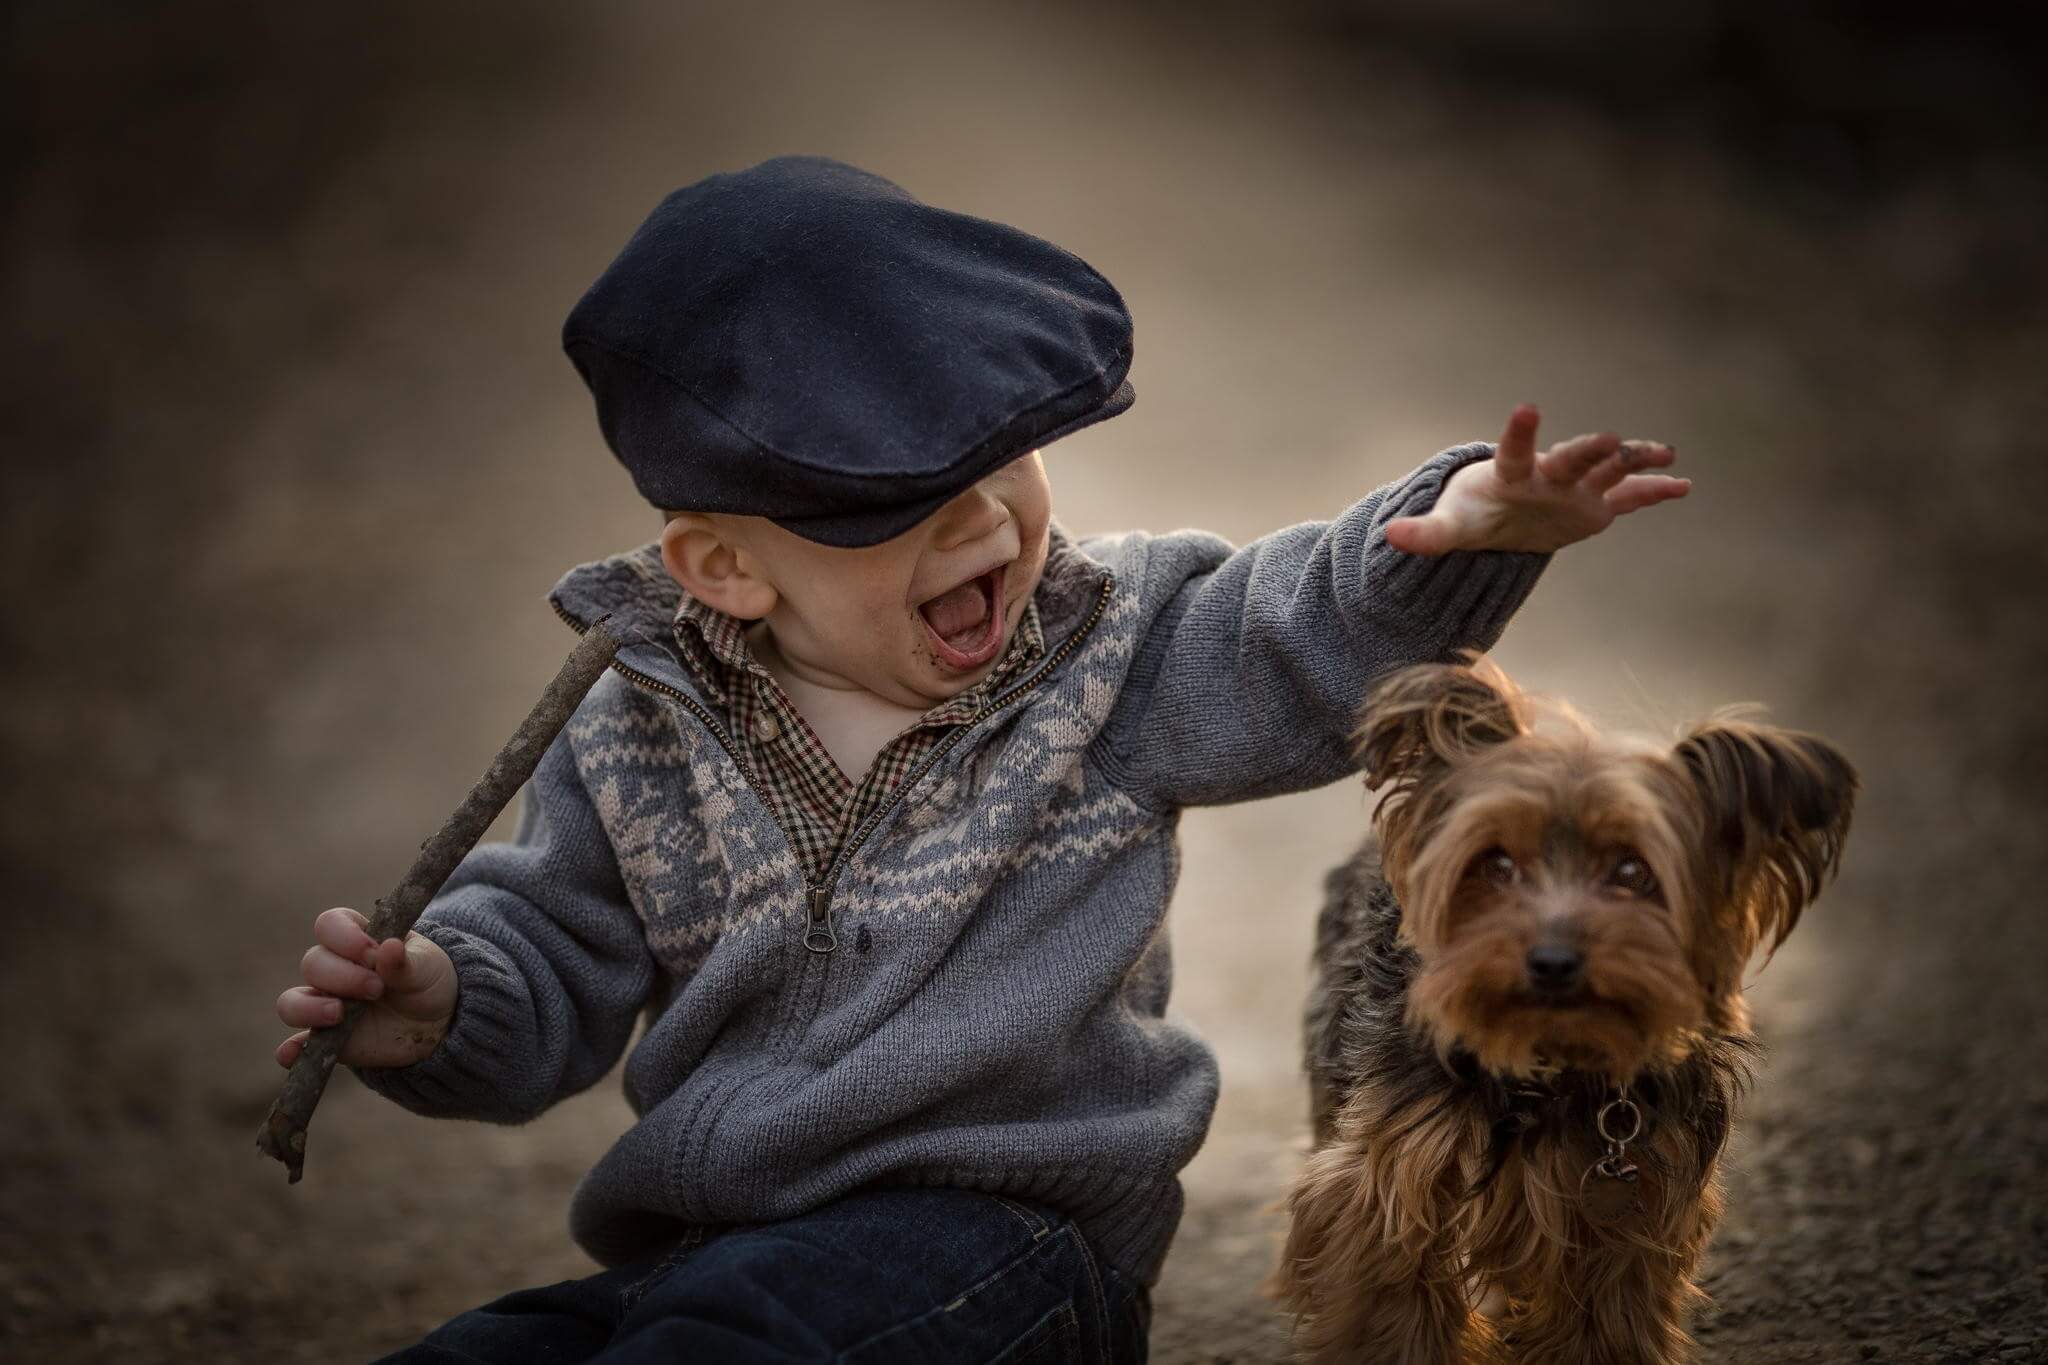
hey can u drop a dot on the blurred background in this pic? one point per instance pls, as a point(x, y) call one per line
point(292, 458)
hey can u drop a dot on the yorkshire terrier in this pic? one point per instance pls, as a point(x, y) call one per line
point(1527, 1033)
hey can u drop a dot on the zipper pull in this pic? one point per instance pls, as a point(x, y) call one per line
point(819, 937)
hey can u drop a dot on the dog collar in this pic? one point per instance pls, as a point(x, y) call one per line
point(1610, 1187)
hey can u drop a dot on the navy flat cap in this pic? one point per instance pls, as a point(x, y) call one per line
point(807, 342)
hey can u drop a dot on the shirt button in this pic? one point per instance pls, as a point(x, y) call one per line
point(766, 728)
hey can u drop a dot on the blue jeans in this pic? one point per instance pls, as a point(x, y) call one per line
point(897, 1276)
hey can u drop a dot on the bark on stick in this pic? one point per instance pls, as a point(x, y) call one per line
point(283, 1134)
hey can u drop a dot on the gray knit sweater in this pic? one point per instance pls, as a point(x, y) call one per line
point(993, 1011)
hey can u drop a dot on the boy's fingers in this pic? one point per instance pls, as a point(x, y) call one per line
point(1632, 456)
point(1515, 456)
point(341, 931)
point(1638, 491)
point(1568, 461)
point(304, 1007)
point(327, 971)
point(1418, 535)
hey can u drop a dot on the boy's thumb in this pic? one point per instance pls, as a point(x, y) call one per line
point(408, 967)
point(1416, 535)
point(419, 979)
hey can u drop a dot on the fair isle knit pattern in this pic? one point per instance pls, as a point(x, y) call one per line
point(817, 805)
point(994, 1013)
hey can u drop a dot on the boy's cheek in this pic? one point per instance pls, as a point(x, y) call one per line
point(1032, 561)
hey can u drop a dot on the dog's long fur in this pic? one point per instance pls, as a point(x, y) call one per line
point(1455, 1121)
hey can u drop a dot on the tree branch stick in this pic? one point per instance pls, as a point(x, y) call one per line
point(283, 1134)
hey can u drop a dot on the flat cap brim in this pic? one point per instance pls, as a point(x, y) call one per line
point(806, 342)
point(873, 524)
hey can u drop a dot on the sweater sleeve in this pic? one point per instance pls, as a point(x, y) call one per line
point(1249, 679)
point(551, 964)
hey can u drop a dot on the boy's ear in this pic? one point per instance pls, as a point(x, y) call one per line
point(1420, 720)
point(700, 555)
point(1777, 806)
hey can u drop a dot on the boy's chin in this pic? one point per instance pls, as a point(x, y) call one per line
point(943, 682)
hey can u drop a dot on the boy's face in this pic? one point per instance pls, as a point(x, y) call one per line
point(915, 619)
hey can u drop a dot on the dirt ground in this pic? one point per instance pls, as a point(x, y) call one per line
point(292, 458)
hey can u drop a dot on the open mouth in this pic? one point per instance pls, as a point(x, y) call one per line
point(966, 623)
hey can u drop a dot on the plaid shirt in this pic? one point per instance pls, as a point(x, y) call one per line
point(816, 804)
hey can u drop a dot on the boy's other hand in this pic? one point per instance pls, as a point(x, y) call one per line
point(411, 984)
point(1520, 500)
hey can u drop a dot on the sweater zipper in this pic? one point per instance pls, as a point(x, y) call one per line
point(819, 935)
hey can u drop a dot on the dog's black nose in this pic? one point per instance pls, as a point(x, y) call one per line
point(1555, 968)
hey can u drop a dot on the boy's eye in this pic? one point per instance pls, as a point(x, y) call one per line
point(1633, 875)
point(1495, 865)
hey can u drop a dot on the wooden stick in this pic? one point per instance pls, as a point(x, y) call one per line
point(283, 1134)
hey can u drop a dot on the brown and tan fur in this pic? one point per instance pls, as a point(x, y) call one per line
point(1548, 919)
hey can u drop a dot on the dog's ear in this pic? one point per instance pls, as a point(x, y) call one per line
point(1777, 806)
point(1420, 720)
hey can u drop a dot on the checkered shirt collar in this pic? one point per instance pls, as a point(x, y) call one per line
point(715, 646)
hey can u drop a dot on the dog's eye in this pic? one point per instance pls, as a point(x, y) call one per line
point(1496, 865)
point(1633, 875)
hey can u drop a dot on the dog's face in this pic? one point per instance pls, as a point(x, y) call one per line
point(1577, 901)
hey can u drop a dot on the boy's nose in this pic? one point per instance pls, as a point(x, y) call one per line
point(969, 517)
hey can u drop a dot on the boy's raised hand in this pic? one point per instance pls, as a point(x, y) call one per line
point(412, 984)
point(1520, 500)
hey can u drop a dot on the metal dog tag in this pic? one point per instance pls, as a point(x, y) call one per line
point(1611, 1192)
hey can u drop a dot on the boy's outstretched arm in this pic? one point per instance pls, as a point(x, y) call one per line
point(550, 962)
point(1248, 681)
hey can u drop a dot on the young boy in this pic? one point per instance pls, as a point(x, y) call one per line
point(874, 821)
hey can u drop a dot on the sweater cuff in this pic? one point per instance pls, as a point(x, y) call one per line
point(464, 1076)
point(1463, 598)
